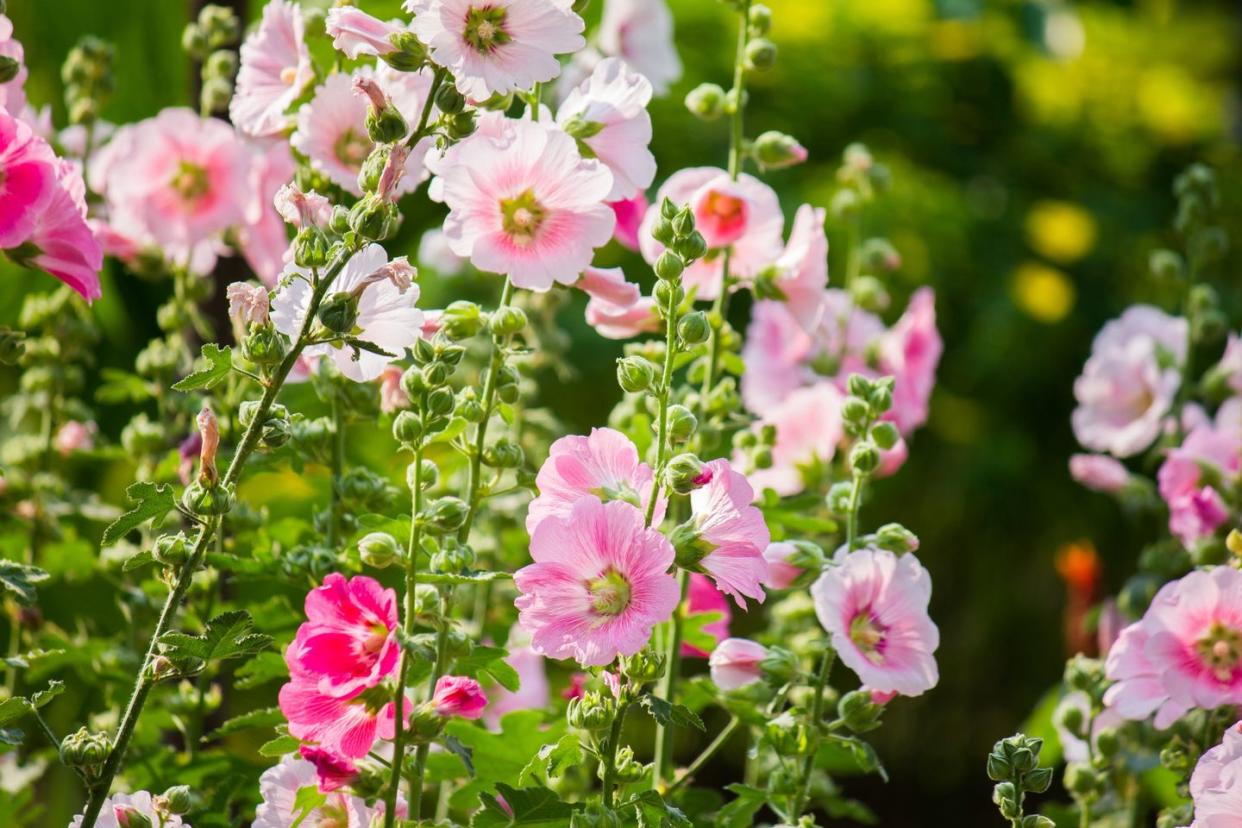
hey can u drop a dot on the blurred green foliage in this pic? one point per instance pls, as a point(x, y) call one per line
point(1032, 144)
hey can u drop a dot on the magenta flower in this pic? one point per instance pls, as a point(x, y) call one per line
point(347, 641)
point(346, 725)
point(608, 114)
point(730, 533)
point(599, 584)
point(27, 178)
point(356, 33)
point(498, 46)
point(702, 597)
point(1196, 508)
point(333, 771)
point(1099, 472)
point(62, 242)
point(629, 213)
point(874, 605)
point(1185, 652)
point(527, 205)
point(459, 696)
point(736, 663)
point(275, 68)
point(641, 33)
point(1216, 784)
point(278, 790)
point(910, 352)
point(781, 573)
point(603, 464)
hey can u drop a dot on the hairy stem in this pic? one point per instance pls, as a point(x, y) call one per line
point(420, 760)
point(817, 715)
point(610, 754)
point(668, 686)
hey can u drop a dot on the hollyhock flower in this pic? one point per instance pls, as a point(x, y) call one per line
point(1130, 381)
point(735, 663)
point(1230, 365)
point(1196, 508)
point(611, 681)
point(1216, 784)
point(62, 242)
point(27, 177)
point(347, 641)
point(275, 68)
point(576, 687)
point(909, 353)
point(347, 725)
point(436, 252)
point(641, 32)
point(802, 270)
point(599, 583)
point(1185, 652)
point(117, 809)
point(531, 208)
point(703, 597)
point(729, 533)
point(12, 92)
point(302, 209)
point(1076, 749)
point(278, 790)
point(608, 115)
point(459, 696)
point(808, 429)
point(75, 436)
point(356, 33)
point(262, 236)
point(603, 464)
point(499, 46)
point(1099, 472)
point(852, 339)
point(874, 605)
point(781, 573)
point(392, 395)
point(743, 214)
point(248, 303)
point(775, 354)
point(532, 692)
point(608, 284)
point(629, 213)
point(621, 321)
point(334, 772)
point(387, 316)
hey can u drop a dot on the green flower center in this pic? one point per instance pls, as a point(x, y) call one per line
point(352, 148)
point(485, 28)
point(868, 636)
point(332, 816)
point(190, 181)
point(610, 593)
point(1221, 650)
point(521, 217)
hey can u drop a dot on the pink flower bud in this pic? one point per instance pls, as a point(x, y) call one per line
point(302, 209)
point(1099, 472)
point(392, 395)
point(364, 85)
point(247, 303)
point(394, 170)
point(459, 696)
point(209, 431)
point(781, 573)
point(735, 662)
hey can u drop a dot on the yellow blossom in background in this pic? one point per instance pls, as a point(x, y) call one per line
point(1042, 292)
point(1060, 230)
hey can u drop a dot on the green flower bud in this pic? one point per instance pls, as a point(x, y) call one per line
point(859, 712)
point(896, 538)
point(215, 94)
point(628, 769)
point(505, 454)
point(507, 321)
point(838, 498)
point(1037, 821)
point(591, 711)
point(1107, 743)
point(9, 67)
point(440, 402)
point(1080, 778)
point(428, 473)
point(706, 101)
point(373, 218)
point(468, 406)
point(860, 386)
point(171, 550)
point(693, 329)
point(264, 345)
point(787, 735)
point(176, 800)
point(425, 724)
point(339, 313)
point(129, 817)
point(685, 473)
point(449, 100)
point(759, 20)
point(311, 248)
point(207, 500)
point(1005, 795)
point(644, 666)
point(339, 221)
point(446, 514)
point(407, 428)
point(219, 24)
point(435, 374)
point(635, 374)
point(193, 41)
point(221, 63)
point(885, 435)
point(855, 411)
point(760, 54)
point(999, 768)
point(373, 167)
point(669, 266)
point(83, 749)
point(779, 665)
point(681, 423)
point(461, 125)
point(453, 558)
point(692, 248)
point(683, 222)
point(12, 344)
point(668, 294)
point(385, 126)
point(410, 55)
point(379, 549)
point(864, 457)
point(774, 150)
point(1071, 717)
point(462, 320)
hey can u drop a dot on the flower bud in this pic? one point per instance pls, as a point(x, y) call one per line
point(644, 666)
point(264, 345)
point(373, 218)
point(207, 499)
point(668, 294)
point(219, 24)
point(338, 222)
point(681, 423)
point(635, 374)
point(428, 474)
point(628, 769)
point(760, 54)
point(171, 550)
point(461, 125)
point(176, 800)
point(310, 248)
point(706, 101)
point(855, 411)
point(859, 712)
point(885, 435)
point(1166, 265)
point(215, 94)
point(9, 68)
point(1107, 742)
point(129, 817)
point(683, 222)
point(693, 329)
point(507, 321)
point(685, 473)
point(505, 454)
point(774, 150)
point(435, 374)
point(83, 749)
point(896, 538)
point(440, 402)
point(449, 100)
point(759, 20)
point(787, 735)
point(407, 428)
point(339, 313)
point(386, 125)
point(1005, 795)
point(669, 266)
point(591, 711)
point(1080, 778)
point(446, 514)
point(864, 457)
point(453, 558)
point(221, 63)
point(461, 320)
point(838, 498)
point(379, 549)
point(1070, 717)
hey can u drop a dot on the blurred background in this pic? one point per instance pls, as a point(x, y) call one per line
point(1032, 146)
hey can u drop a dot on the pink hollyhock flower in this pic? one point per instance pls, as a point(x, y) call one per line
point(802, 270)
point(278, 790)
point(347, 725)
point(497, 47)
point(744, 214)
point(775, 354)
point(629, 213)
point(599, 584)
point(531, 208)
point(302, 209)
point(75, 436)
point(248, 303)
point(1196, 509)
point(62, 243)
point(387, 315)
point(1099, 472)
point(262, 236)
point(459, 696)
point(703, 597)
point(735, 663)
point(275, 68)
point(356, 33)
point(436, 252)
point(808, 430)
point(1216, 784)
point(781, 573)
point(608, 115)
point(849, 337)
point(730, 533)
point(27, 176)
point(1230, 364)
point(532, 692)
point(874, 605)
point(119, 810)
point(641, 33)
point(12, 92)
point(1130, 381)
point(620, 321)
point(334, 772)
point(612, 681)
point(576, 687)
point(392, 395)
point(1185, 652)
point(603, 464)
point(608, 284)
point(347, 642)
point(909, 353)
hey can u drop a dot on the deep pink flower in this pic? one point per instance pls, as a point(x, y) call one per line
point(808, 430)
point(731, 532)
point(275, 68)
point(118, 808)
point(781, 573)
point(333, 771)
point(27, 176)
point(347, 642)
point(348, 725)
point(703, 597)
point(735, 663)
point(62, 242)
point(909, 353)
point(262, 236)
point(1099, 472)
point(1185, 652)
point(576, 687)
point(527, 205)
point(355, 32)
point(802, 270)
point(499, 46)
point(608, 114)
point(641, 33)
point(629, 213)
point(874, 605)
point(278, 790)
point(599, 584)
point(603, 464)
point(1216, 784)
point(1196, 509)
point(459, 696)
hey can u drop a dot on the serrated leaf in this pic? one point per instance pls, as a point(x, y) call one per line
point(552, 759)
point(138, 560)
point(20, 579)
point(667, 713)
point(502, 756)
point(654, 812)
point(153, 499)
point(261, 669)
point(228, 635)
point(527, 807)
point(370, 347)
point(14, 708)
point(740, 811)
point(279, 746)
point(264, 717)
point(40, 698)
point(219, 362)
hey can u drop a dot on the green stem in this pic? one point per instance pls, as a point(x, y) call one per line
point(708, 752)
point(666, 382)
point(851, 520)
point(610, 754)
point(337, 468)
point(817, 715)
point(420, 759)
point(668, 686)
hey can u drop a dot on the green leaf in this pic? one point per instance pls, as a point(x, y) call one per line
point(530, 806)
point(153, 499)
point(667, 713)
point(654, 812)
point(693, 634)
point(370, 347)
point(264, 717)
point(501, 757)
point(552, 759)
point(138, 560)
point(14, 708)
point(229, 635)
point(305, 802)
point(491, 661)
point(20, 579)
point(261, 669)
point(219, 362)
point(279, 746)
point(40, 698)
point(455, 427)
point(119, 387)
point(860, 753)
point(740, 811)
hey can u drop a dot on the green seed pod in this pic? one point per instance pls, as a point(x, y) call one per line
point(507, 321)
point(171, 550)
point(681, 423)
point(176, 800)
point(207, 500)
point(386, 125)
point(635, 374)
point(669, 266)
point(407, 428)
point(379, 549)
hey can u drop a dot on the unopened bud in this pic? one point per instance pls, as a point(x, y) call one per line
point(635, 374)
point(339, 313)
point(669, 266)
point(760, 54)
point(446, 514)
point(176, 800)
point(681, 423)
point(507, 321)
point(774, 150)
point(693, 329)
point(706, 101)
point(379, 549)
point(685, 473)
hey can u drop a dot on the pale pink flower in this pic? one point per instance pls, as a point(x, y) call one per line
point(248, 303)
point(491, 124)
point(612, 682)
point(356, 33)
point(641, 32)
point(278, 790)
point(387, 315)
point(732, 531)
point(118, 808)
point(608, 284)
point(531, 208)
point(622, 321)
point(392, 395)
point(459, 696)
point(1130, 381)
point(76, 436)
point(262, 236)
point(703, 597)
point(781, 573)
point(775, 353)
point(851, 338)
point(808, 430)
point(302, 209)
point(736, 663)
point(532, 692)
point(874, 605)
point(1099, 472)
point(27, 177)
point(1185, 652)
point(436, 252)
point(275, 68)
point(347, 725)
point(333, 770)
point(1216, 784)
point(909, 353)
point(629, 213)
point(62, 242)
point(599, 584)
point(1231, 363)
point(743, 214)
point(802, 270)
point(498, 46)
point(603, 464)
point(1196, 509)
point(12, 93)
point(608, 114)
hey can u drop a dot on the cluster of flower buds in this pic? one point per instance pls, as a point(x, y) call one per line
point(88, 78)
point(426, 383)
point(85, 750)
point(207, 40)
point(1013, 765)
